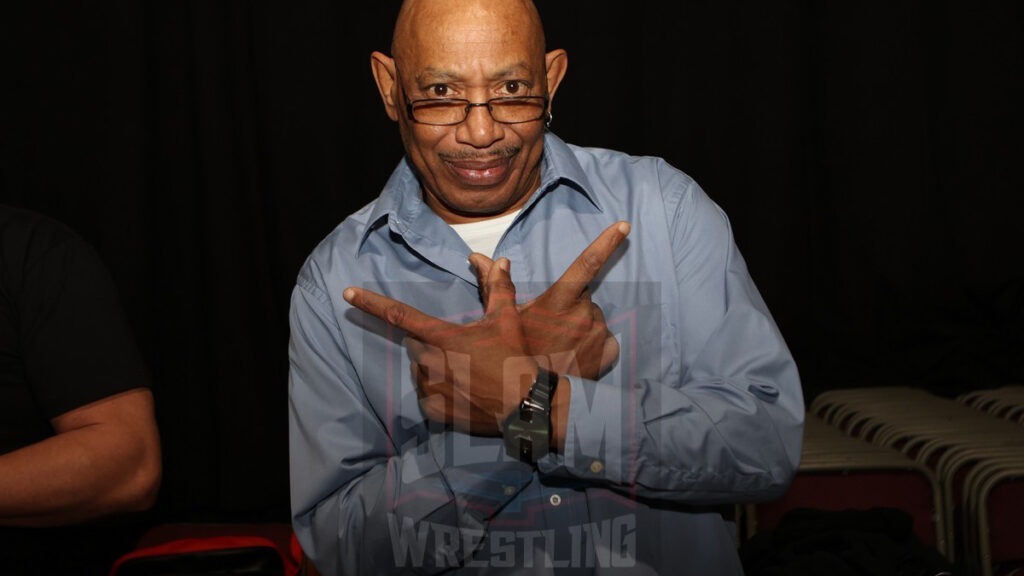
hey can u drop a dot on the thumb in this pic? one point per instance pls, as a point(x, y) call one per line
point(498, 287)
point(482, 266)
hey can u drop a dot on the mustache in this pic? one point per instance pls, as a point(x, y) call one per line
point(473, 156)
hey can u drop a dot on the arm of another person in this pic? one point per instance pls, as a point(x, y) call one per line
point(730, 428)
point(103, 459)
point(88, 379)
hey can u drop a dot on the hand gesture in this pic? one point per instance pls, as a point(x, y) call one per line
point(565, 331)
point(469, 376)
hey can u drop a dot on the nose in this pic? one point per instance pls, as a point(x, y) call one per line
point(479, 130)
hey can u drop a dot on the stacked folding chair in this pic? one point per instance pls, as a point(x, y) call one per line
point(838, 472)
point(1006, 402)
point(973, 448)
point(994, 478)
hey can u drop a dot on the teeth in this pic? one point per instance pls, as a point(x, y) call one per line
point(478, 165)
point(479, 173)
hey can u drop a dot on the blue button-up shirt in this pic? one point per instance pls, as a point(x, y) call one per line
point(703, 407)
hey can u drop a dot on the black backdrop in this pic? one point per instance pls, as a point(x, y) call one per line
point(868, 154)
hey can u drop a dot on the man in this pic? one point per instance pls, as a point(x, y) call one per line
point(78, 439)
point(566, 401)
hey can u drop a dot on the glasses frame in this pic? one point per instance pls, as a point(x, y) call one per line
point(467, 106)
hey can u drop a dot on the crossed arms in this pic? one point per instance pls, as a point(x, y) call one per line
point(562, 331)
point(725, 430)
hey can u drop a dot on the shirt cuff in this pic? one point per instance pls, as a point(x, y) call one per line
point(601, 436)
point(482, 489)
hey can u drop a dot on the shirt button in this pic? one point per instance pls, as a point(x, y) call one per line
point(555, 499)
point(510, 490)
point(596, 466)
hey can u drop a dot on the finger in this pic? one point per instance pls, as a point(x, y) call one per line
point(416, 323)
point(482, 266)
point(609, 355)
point(596, 313)
point(428, 384)
point(435, 408)
point(426, 355)
point(418, 378)
point(501, 293)
point(587, 265)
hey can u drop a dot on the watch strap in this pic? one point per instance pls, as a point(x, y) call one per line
point(543, 389)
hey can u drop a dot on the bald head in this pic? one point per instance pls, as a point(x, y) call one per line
point(420, 21)
point(484, 53)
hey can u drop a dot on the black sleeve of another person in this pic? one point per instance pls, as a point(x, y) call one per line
point(75, 344)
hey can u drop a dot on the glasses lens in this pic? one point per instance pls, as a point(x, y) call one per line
point(512, 110)
point(439, 112)
point(505, 110)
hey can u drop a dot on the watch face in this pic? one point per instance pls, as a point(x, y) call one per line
point(527, 435)
point(527, 430)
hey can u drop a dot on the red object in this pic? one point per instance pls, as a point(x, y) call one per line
point(162, 541)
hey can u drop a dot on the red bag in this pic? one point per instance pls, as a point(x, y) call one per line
point(251, 555)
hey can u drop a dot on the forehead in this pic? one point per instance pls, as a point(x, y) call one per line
point(489, 39)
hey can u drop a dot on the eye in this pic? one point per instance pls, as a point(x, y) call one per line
point(514, 86)
point(438, 90)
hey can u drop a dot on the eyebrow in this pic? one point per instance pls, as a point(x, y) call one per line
point(441, 75)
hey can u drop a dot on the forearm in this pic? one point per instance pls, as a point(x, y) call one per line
point(347, 532)
point(705, 405)
point(701, 443)
point(398, 515)
point(76, 476)
point(706, 442)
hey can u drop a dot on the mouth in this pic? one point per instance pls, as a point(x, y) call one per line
point(478, 172)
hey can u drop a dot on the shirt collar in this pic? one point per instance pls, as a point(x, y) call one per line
point(560, 166)
point(401, 204)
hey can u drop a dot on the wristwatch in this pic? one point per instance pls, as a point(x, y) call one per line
point(527, 429)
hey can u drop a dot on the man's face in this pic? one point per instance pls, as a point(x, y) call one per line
point(478, 168)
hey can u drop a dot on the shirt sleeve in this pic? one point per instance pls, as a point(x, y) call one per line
point(729, 429)
point(360, 504)
point(76, 343)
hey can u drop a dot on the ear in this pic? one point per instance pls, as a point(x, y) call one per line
point(556, 63)
point(384, 74)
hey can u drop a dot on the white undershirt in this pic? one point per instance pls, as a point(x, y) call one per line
point(483, 236)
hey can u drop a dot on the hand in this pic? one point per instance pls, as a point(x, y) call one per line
point(565, 331)
point(469, 376)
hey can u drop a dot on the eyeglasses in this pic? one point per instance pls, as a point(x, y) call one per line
point(451, 111)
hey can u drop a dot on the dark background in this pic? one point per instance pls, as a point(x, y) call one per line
point(868, 154)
